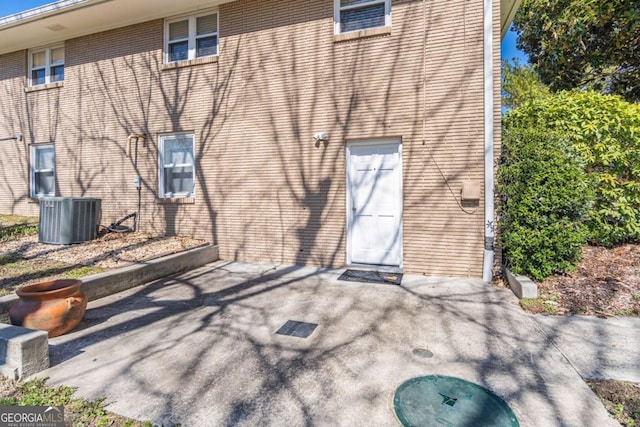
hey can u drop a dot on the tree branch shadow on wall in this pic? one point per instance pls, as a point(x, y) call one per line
point(18, 117)
point(143, 112)
point(233, 310)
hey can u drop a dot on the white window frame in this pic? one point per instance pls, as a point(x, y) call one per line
point(192, 37)
point(337, 9)
point(47, 66)
point(161, 166)
point(33, 171)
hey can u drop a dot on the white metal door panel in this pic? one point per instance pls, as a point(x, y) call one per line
point(375, 203)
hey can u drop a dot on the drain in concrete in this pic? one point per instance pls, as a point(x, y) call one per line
point(450, 401)
point(422, 352)
point(297, 329)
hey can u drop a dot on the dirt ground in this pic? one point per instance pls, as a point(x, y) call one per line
point(606, 283)
point(621, 398)
point(24, 261)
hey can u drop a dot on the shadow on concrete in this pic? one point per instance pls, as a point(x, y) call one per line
point(201, 349)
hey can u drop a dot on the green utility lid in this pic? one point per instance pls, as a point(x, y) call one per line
point(437, 400)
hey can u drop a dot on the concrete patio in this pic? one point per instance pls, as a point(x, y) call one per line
point(200, 349)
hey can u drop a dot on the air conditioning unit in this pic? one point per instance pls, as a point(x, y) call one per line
point(66, 220)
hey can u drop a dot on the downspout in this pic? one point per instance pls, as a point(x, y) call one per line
point(487, 267)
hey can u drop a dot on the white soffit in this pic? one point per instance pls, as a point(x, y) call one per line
point(508, 9)
point(67, 19)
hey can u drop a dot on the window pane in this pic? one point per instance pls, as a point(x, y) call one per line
point(38, 59)
point(178, 150)
point(358, 19)
point(45, 158)
point(180, 157)
point(207, 24)
point(179, 30)
point(57, 73)
point(38, 77)
point(57, 55)
point(207, 46)
point(178, 51)
point(44, 183)
point(178, 180)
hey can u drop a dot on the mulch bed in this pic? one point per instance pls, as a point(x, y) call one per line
point(25, 261)
point(606, 283)
point(621, 398)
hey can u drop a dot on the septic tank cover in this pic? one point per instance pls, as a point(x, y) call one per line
point(448, 401)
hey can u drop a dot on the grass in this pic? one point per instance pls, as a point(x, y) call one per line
point(78, 412)
point(547, 304)
point(621, 398)
point(81, 271)
point(9, 220)
point(628, 312)
point(13, 227)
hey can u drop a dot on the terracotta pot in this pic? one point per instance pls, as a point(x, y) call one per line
point(56, 306)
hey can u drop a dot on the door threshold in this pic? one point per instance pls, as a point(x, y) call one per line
point(372, 267)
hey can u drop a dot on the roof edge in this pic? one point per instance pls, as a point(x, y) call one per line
point(508, 9)
point(45, 11)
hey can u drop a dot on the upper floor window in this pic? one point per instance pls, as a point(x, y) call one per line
point(43, 170)
point(191, 37)
point(46, 65)
point(354, 15)
point(176, 165)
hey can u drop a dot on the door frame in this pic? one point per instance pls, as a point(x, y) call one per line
point(349, 200)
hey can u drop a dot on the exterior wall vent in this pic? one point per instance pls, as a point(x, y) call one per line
point(66, 220)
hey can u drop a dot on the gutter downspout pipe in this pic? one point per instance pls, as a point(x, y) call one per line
point(487, 267)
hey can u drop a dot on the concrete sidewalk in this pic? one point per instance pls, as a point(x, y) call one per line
point(597, 348)
point(200, 350)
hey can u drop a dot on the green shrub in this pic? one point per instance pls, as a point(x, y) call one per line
point(604, 131)
point(544, 197)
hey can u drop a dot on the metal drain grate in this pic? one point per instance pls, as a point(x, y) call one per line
point(422, 352)
point(297, 329)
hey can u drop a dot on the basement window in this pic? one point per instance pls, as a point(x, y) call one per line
point(43, 170)
point(191, 37)
point(176, 172)
point(46, 65)
point(356, 15)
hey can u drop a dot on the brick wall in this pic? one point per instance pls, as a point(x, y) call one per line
point(264, 191)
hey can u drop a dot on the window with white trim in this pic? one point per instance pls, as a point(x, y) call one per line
point(43, 170)
point(191, 37)
point(46, 65)
point(354, 15)
point(176, 165)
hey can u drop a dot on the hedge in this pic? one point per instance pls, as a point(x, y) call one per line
point(544, 198)
point(604, 132)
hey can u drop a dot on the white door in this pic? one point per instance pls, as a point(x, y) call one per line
point(374, 203)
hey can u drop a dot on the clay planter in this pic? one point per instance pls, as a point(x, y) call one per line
point(56, 306)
